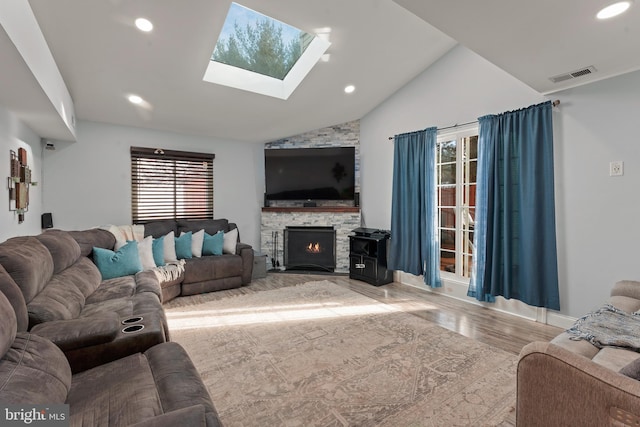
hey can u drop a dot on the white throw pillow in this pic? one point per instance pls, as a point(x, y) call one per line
point(230, 241)
point(121, 239)
point(145, 251)
point(169, 246)
point(197, 239)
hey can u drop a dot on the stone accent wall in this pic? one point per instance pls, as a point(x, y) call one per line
point(343, 222)
point(342, 135)
point(345, 134)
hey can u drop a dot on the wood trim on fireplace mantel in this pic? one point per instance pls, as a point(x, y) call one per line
point(318, 209)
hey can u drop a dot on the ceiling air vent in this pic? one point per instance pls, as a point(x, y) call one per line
point(573, 74)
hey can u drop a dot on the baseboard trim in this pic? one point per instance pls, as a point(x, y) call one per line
point(458, 290)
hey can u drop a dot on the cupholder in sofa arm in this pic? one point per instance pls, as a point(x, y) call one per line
point(558, 387)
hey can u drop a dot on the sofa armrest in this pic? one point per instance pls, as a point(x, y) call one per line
point(190, 416)
point(81, 332)
point(626, 288)
point(558, 387)
point(246, 252)
point(147, 281)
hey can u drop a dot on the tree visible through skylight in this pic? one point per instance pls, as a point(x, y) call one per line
point(258, 43)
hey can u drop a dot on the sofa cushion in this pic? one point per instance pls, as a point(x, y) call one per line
point(78, 333)
point(58, 301)
point(230, 240)
point(121, 392)
point(614, 358)
point(212, 245)
point(13, 294)
point(160, 228)
point(211, 268)
point(169, 247)
point(8, 326)
point(84, 275)
point(63, 248)
point(632, 369)
point(66, 293)
point(135, 305)
point(29, 264)
point(34, 371)
point(183, 246)
point(177, 380)
point(157, 249)
point(116, 288)
point(211, 226)
point(95, 237)
point(123, 262)
point(197, 239)
point(145, 251)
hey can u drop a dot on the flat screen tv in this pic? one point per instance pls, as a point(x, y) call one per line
point(310, 173)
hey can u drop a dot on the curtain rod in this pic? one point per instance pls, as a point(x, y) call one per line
point(553, 104)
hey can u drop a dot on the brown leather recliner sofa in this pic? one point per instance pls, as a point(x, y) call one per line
point(158, 387)
point(65, 299)
point(207, 273)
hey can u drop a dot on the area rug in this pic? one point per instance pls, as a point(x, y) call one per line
point(318, 354)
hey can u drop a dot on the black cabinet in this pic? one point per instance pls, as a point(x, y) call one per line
point(368, 256)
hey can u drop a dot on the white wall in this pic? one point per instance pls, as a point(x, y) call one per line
point(596, 235)
point(15, 134)
point(457, 89)
point(88, 183)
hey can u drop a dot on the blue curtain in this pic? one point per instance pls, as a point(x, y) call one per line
point(515, 231)
point(415, 244)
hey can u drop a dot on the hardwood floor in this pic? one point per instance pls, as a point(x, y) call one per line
point(504, 331)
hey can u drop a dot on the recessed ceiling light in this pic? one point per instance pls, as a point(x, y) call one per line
point(613, 10)
point(349, 89)
point(144, 24)
point(134, 99)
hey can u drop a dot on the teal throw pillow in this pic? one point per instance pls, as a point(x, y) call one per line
point(123, 262)
point(157, 247)
point(183, 246)
point(212, 245)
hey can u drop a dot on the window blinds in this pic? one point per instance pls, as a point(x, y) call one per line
point(167, 184)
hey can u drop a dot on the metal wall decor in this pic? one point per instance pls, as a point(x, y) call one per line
point(19, 182)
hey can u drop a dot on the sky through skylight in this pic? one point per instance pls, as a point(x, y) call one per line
point(259, 54)
point(258, 43)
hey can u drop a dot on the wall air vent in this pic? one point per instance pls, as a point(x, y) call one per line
point(573, 74)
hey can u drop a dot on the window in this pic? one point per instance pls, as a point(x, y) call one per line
point(457, 165)
point(169, 184)
point(258, 43)
point(260, 54)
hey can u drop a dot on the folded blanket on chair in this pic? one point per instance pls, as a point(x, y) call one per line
point(608, 327)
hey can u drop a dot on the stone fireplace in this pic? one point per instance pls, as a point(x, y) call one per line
point(275, 220)
point(342, 216)
point(310, 248)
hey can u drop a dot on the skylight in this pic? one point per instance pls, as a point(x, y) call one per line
point(257, 53)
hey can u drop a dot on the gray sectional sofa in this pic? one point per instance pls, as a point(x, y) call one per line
point(207, 273)
point(68, 336)
point(65, 300)
point(158, 387)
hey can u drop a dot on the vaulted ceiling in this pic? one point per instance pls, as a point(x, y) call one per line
point(376, 45)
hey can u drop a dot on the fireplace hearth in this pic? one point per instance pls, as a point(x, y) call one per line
point(310, 248)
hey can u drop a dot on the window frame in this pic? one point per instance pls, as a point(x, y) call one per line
point(458, 134)
point(188, 179)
